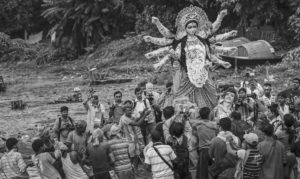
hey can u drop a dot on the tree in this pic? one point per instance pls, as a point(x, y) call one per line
point(84, 21)
point(17, 16)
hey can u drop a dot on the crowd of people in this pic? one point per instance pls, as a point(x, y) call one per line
point(252, 133)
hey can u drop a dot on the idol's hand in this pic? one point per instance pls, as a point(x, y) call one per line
point(148, 55)
point(224, 12)
point(226, 65)
point(147, 38)
point(154, 20)
point(233, 33)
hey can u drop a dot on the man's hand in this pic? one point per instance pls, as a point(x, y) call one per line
point(154, 20)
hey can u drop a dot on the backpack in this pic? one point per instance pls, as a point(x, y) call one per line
point(240, 166)
point(182, 153)
point(59, 125)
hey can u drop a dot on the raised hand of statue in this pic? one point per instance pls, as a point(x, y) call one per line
point(233, 33)
point(147, 38)
point(154, 20)
point(224, 12)
point(149, 55)
point(226, 65)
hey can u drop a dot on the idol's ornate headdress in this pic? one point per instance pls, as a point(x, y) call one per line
point(188, 14)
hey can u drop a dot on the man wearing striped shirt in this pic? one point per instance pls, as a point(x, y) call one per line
point(154, 163)
point(12, 164)
point(120, 150)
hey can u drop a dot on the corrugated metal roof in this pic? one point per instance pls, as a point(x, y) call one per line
point(234, 42)
point(260, 49)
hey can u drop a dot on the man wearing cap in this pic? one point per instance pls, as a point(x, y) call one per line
point(12, 163)
point(120, 150)
point(250, 158)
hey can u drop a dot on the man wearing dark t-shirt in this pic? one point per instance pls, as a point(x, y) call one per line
point(293, 94)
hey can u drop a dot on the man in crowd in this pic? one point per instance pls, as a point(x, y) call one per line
point(77, 139)
point(267, 98)
point(96, 111)
point(251, 159)
point(63, 125)
point(12, 163)
point(283, 107)
point(139, 106)
point(274, 155)
point(129, 125)
point(159, 158)
point(116, 110)
point(120, 150)
point(223, 163)
point(244, 105)
point(205, 131)
point(167, 97)
point(293, 94)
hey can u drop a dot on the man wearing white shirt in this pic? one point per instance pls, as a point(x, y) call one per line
point(95, 116)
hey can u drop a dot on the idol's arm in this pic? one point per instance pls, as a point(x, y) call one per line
point(216, 60)
point(162, 29)
point(162, 62)
point(158, 41)
point(225, 36)
point(159, 52)
point(217, 24)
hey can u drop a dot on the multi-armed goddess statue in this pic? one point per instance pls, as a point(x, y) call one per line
point(193, 47)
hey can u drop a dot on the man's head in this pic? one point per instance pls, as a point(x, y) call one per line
point(118, 96)
point(267, 129)
point(177, 129)
point(11, 143)
point(251, 140)
point(80, 126)
point(235, 115)
point(168, 112)
point(138, 93)
point(224, 124)
point(149, 87)
point(128, 105)
point(281, 98)
point(95, 100)
point(289, 120)
point(155, 136)
point(64, 110)
point(267, 88)
point(242, 93)
point(38, 145)
point(114, 130)
point(204, 113)
point(296, 83)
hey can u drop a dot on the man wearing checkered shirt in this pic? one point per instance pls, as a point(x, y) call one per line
point(12, 164)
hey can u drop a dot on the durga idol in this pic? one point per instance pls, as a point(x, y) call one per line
point(193, 48)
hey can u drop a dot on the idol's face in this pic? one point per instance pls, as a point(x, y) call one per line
point(191, 28)
point(229, 97)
